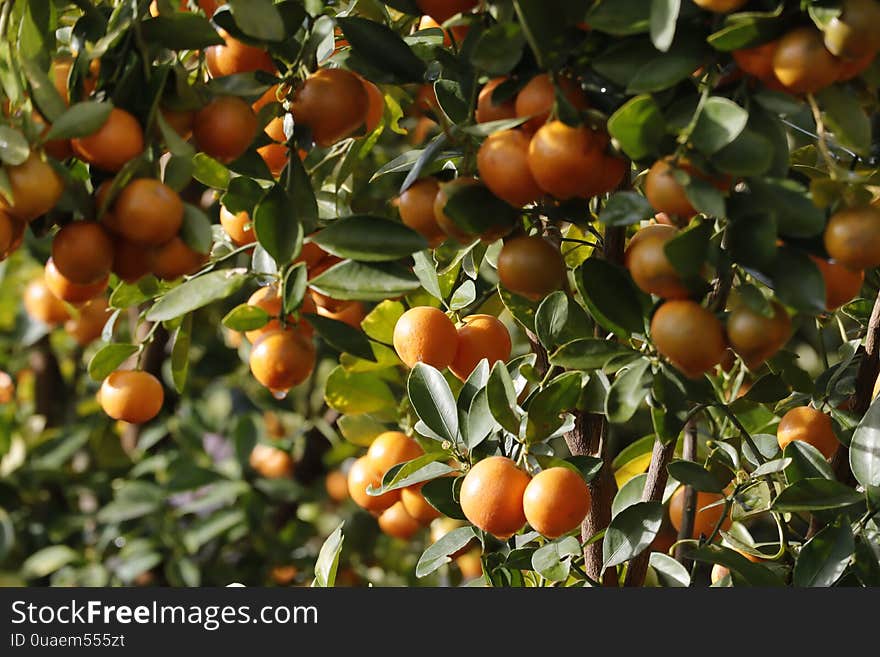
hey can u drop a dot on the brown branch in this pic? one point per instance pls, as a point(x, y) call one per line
point(49, 387)
point(688, 453)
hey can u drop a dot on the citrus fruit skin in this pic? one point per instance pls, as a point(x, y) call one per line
point(444, 221)
point(853, 34)
point(132, 261)
point(131, 396)
point(7, 232)
point(362, 475)
point(802, 63)
point(488, 110)
point(269, 299)
point(704, 519)
point(720, 6)
point(556, 501)
point(116, 142)
point(758, 61)
point(175, 259)
point(41, 305)
point(479, 337)
point(492, 496)
point(442, 10)
point(147, 211)
point(688, 335)
point(275, 154)
point(565, 161)
point(852, 237)
point(66, 290)
point(503, 163)
point(236, 57)
point(348, 312)
point(416, 505)
point(35, 187)
point(390, 448)
point(87, 327)
point(225, 128)
point(336, 485)
point(238, 226)
point(82, 251)
point(375, 105)
point(650, 268)
point(425, 335)
point(396, 521)
point(531, 267)
point(842, 284)
point(537, 97)
point(7, 388)
point(756, 337)
point(271, 462)
point(810, 426)
point(333, 103)
point(416, 206)
point(282, 359)
point(665, 193)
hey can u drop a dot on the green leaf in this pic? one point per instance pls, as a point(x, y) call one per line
point(670, 573)
point(295, 286)
point(720, 122)
point(360, 429)
point(843, 113)
point(560, 319)
point(424, 468)
point(789, 201)
point(7, 534)
point(522, 309)
point(79, 120)
point(180, 353)
point(807, 462)
point(750, 154)
point(258, 18)
point(196, 229)
point(357, 392)
point(432, 401)
point(547, 406)
point(750, 574)
point(590, 353)
point(498, 48)
point(694, 474)
point(276, 228)
point(628, 391)
point(864, 450)
point(181, 31)
point(816, 494)
point(501, 396)
point(665, 70)
point(797, 281)
point(553, 560)
point(630, 532)
point(108, 358)
point(625, 208)
point(210, 172)
point(664, 15)
point(620, 17)
point(824, 557)
point(451, 100)
point(611, 296)
point(438, 554)
point(442, 494)
point(638, 126)
point(480, 422)
point(14, 148)
point(369, 239)
point(342, 337)
point(43, 91)
point(464, 295)
point(47, 560)
point(246, 317)
point(382, 48)
point(356, 281)
point(328, 559)
point(197, 293)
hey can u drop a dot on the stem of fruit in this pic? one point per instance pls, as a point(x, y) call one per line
point(821, 137)
point(688, 453)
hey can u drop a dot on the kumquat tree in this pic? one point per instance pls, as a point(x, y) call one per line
point(512, 293)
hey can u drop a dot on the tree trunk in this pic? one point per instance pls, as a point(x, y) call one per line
point(49, 388)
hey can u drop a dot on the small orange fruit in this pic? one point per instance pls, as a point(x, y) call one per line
point(35, 187)
point(271, 462)
point(148, 212)
point(720, 6)
point(333, 103)
point(396, 522)
point(282, 359)
point(688, 335)
point(537, 98)
point(238, 226)
point(757, 60)
point(236, 57)
point(470, 564)
point(802, 63)
point(275, 155)
point(132, 261)
point(488, 110)
point(479, 337)
point(116, 142)
point(531, 267)
point(225, 127)
point(852, 237)
point(842, 284)
point(7, 388)
point(416, 206)
point(362, 475)
point(392, 447)
point(425, 335)
point(82, 251)
point(665, 193)
point(556, 501)
point(649, 266)
point(705, 519)
point(66, 290)
point(756, 337)
point(348, 312)
point(336, 484)
point(503, 163)
point(175, 259)
point(442, 10)
point(565, 161)
point(7, 232)
point(492, 496)
point(375, 106)
point(416, 505)
point(41, 305)
point(87, 327)
point(131, 396)
point(810, 426)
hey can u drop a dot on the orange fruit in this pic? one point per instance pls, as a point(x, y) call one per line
point(720, 6)
point(82, 251)
point(664, 192)
point(757, 60)
point(58, 148)
point(488, 110)
point(688, 335)
point(849, 68)
point(275, 154)
point(503, 163)
point(238, 226)
point(333, 103)
point(175, 259)
point(853, 33)
point(132, 261)
point(492, 496)
point(116, 142)
point(756, 337)
point(225, 128)
point(531, 267)
point(649, 266)
point(148, 211)
point(41, 305)
point(704, 519)
point(416, 505)
point(7, 232)
point(460, 32)
point(802, 63)
point(131, 396)
point(312, 255)
point(362, 475)
point(35, 187)
point(842, 284)
point(61, 73)
point(181, 121)
point(425, 335)
point(479, 337)
point(566, 161)
point(66, 290)
point(7, 388)
point(270, 462)
point(556, 501)
point(852, 237)
point(537, 98)
point(416, 206)
point(348, 312)
point(375, 105)
point(442, 10)
point(284, 575)
point(390, 448)
point(810, 426)
point(282, 359)
point(236, 57)
point(396, 522)
point(496, 229)
point(269, 299)
point(470, 564)
point(336, 484)
point(87, 327)
point(611, 172)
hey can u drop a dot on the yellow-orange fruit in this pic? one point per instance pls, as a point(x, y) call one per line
point(7, 388)
point(470, 564)
point(492, 496)
point(225, 127)
point(238, 226)
point(416, 206)
point(688, 335)
point(756, 337)
point(332, 102)
point(148, 211)
point(416, 505)
point(390, 448)
point(348, 312)
point(705, 519)
point(87, 327)
point(531, 267)
point(488, 110)
point(556, 501)
point(282, 359)
point(719, 572)
point(82, 251)
point(66, 290)
point(181, 121)
point(448, 225)
point(650, 268)
point(802, 63)
point(175, 259)
point(720, 6)
point(116, 142)
point(665, 193)
point(41, 305)
point(336, 484)
point(479, 337)
point(375, 106)
point(236, 57)
point(758, 60)
point(503, 163)
point(842, 284)
point(810, 426)
point(268, 298)
point(442, 10)
point(425, 335)
point(7, 232)
point(536, 99)
point(271, 462)
point(131, 396)
point(566, 161)
point(275, 155)
point(852, 237)
point(396, 522)
point(132, 261)
point(362, 475)
point(35, 187)
point(853, 33)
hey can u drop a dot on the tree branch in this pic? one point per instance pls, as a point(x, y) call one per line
point(688, 453)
